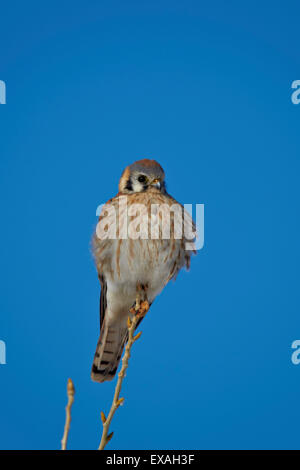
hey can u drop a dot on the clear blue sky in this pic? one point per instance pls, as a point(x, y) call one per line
point(204, 88)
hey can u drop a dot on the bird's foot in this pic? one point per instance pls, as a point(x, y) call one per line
point(144, 307)
point(140, 309)
point(136, 306)
point(141, 305)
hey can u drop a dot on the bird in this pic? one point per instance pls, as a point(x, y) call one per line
point(137, 267)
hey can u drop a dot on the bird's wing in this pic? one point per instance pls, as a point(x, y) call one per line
point(103, 301)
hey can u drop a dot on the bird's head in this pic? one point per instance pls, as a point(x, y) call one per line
point(141, 176)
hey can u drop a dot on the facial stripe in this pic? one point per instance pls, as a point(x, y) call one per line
point(128, 185)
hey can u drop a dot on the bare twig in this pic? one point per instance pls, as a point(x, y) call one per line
point(70, 393)
point(139, 311)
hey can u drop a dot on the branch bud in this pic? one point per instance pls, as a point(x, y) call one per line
point(137, 336)
point(70, 388)
point(120, 401)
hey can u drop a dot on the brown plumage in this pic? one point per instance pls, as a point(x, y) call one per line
point(126, 262)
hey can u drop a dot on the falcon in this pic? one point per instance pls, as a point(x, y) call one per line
point(139, 245)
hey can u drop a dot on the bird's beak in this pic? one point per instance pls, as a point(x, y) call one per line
point(156, 184)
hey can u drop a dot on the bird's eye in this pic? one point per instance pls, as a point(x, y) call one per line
point(142, 179)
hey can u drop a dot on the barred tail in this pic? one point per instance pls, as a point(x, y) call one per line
point(109, 351)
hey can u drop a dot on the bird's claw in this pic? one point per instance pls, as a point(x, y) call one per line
point(144, 307)
point(140, 310)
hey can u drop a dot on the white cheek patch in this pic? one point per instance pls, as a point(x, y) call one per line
point(137, 187)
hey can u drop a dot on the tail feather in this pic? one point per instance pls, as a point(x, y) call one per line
point(108, 352)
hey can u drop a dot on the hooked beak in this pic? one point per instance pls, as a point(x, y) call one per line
point(156, 184)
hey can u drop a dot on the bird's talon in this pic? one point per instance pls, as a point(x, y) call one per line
point(144, 307)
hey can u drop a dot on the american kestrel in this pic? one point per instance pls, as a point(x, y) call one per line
point(142, 257)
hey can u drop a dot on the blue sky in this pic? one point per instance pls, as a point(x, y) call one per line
point(204, 88)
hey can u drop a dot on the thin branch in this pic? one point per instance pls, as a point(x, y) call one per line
point(139, 312)
point(70, 393)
